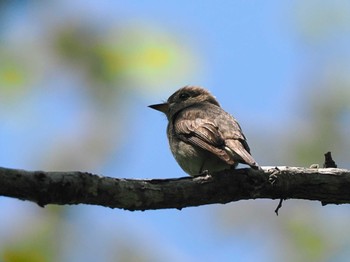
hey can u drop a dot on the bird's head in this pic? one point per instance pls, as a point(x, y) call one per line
point(183, 98)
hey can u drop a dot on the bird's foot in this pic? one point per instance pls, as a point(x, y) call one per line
point(204, 173)
point(273, 176)
point(203, 176)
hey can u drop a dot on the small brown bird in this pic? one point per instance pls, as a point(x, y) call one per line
point(202, 136)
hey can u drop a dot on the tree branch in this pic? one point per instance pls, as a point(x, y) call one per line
point(328, 185)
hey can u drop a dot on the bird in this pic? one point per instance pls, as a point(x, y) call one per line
point(203, 138)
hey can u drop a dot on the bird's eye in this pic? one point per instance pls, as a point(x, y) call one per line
point(184, 96)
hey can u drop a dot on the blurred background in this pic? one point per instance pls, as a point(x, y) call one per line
point(75, 81)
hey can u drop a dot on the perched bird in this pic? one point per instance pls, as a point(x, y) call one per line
point(202, 136)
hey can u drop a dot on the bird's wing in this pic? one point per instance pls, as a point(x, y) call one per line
point(235, 141)
point(231, 146)
point(204, 134)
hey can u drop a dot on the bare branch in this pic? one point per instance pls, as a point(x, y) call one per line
point(328, 161)
point(328, 185)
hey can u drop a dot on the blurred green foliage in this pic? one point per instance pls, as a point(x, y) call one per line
point(138, 55)
point(311, 244)
point(106, 61)
point(324, 109)
point(13, 74)
point(321, 22)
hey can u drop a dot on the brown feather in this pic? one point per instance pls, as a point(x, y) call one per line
point(228, 144)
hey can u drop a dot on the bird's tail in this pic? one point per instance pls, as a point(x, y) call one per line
point(239, 153)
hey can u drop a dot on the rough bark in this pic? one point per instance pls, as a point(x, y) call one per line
point(328, 185)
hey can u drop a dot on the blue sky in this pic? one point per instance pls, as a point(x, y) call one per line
point(251, 56)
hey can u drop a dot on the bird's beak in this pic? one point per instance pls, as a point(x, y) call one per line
point(160, 107)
